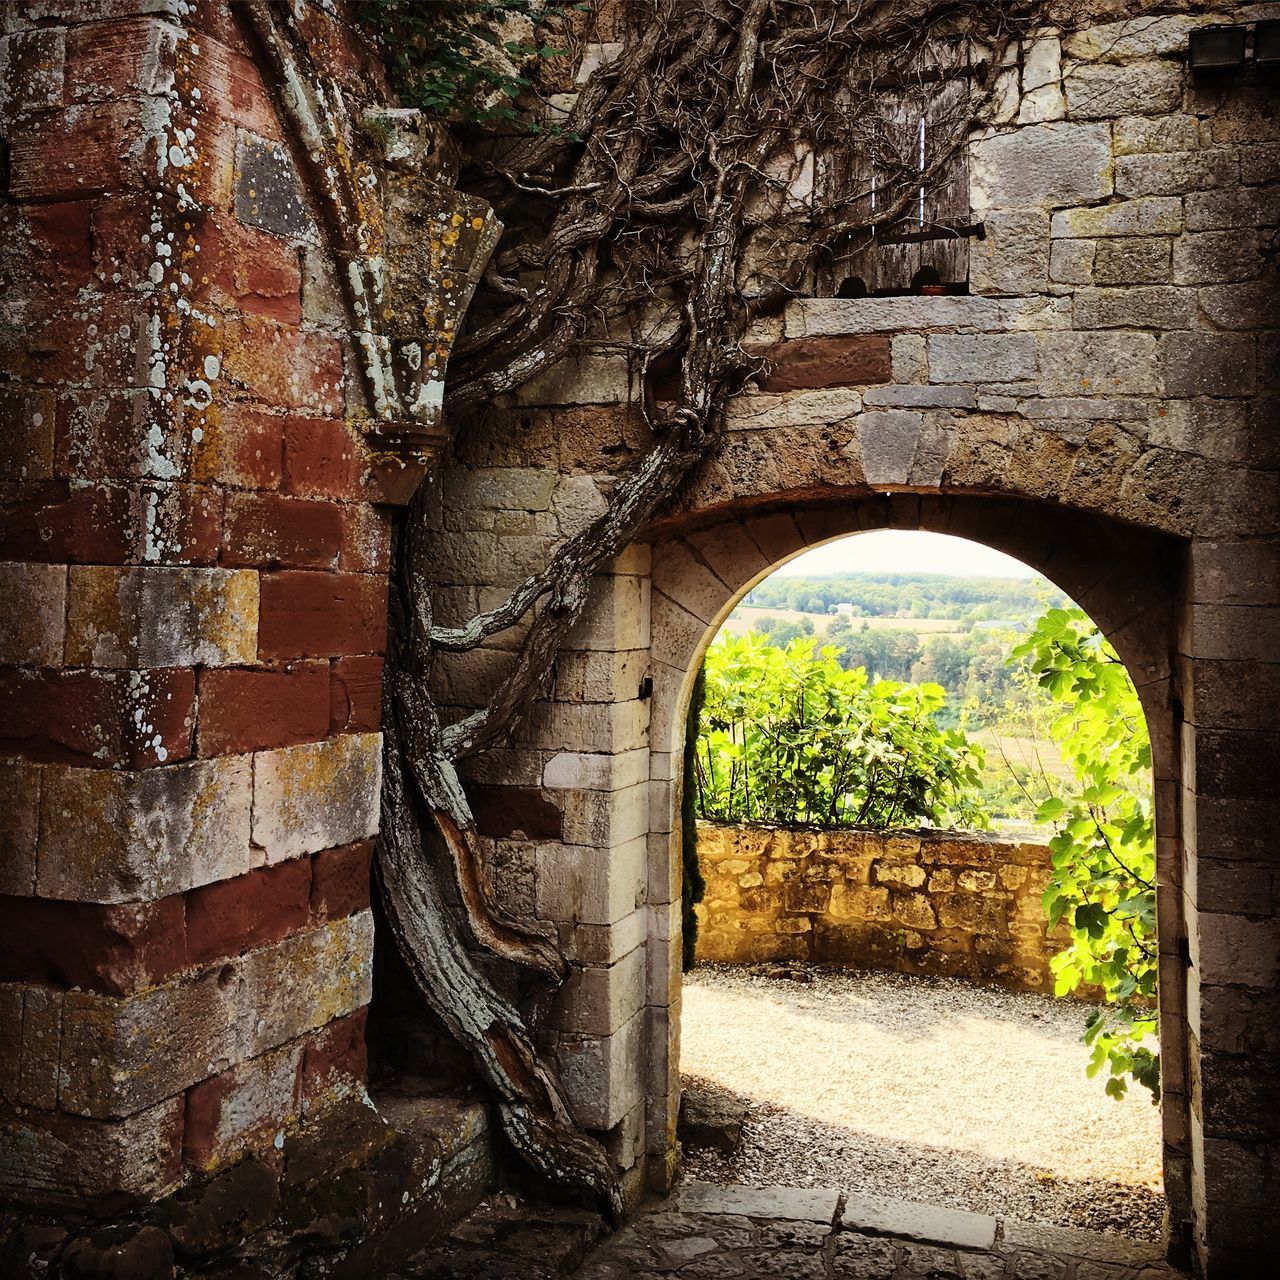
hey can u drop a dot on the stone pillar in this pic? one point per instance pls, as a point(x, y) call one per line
point(592, 883)
point(193, 617)
point(1231, 697)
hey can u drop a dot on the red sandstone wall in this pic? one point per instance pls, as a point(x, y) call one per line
point(192, 608)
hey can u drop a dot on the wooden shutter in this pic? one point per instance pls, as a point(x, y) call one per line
point(930, 236)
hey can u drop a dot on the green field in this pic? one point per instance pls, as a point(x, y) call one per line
point(747, 616)
point(1038, 755)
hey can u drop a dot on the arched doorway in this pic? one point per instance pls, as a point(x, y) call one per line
point(869, 972)
point(1125, 578)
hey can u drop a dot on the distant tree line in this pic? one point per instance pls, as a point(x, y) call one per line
point(971, 665)
point(908, 595)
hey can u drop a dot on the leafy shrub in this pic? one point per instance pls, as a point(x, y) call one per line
point(1103, 882)
point(790, 737)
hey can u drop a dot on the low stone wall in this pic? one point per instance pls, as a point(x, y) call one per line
point(942, 903)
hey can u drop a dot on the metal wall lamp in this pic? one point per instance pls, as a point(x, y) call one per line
point(1215, 50)
point(1220, 49)
point(1266, 45)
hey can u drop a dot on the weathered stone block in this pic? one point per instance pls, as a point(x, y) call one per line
point(908, 874)
point(923, 397)
point(1229, 572)
point(61, 1157)
point(241, 710)
point(951, 1227)
point(1129, 260)
point(19, 833)
point(964, 313)
point(1065, 409)
point(796, 1204)
point(616, 615)
point(859, 903)
point(1239, 306)
point(316, 795)
point(902, 447)
point(77, 152)
point(269, 530)
point(583, 377)
point(1233, 888)
point(1233, 633)
point(157, 616)
point(1172, 173)
point(1217, 257)
point(1134, 38)
point(1207, 364)
point(267, 191)
point(599, 1001)
point(501, 488)
point(987, 358)
point(591, 886)
point(246, 912)
point(769, 410)
point(1147, 216)
point(1235, 207)
point(1139, 135)
point(26, 434)
point(1045, 165)
point(1140, 307)
point(312, 614)
point(914, 910)
point(730, 552)
point(241, 1109)
point(110, 836)
point(602, 1075)
point(606, 819)
point(682, 576)
point(121, 1055)
point(1239, 950)
point(32, 619)
point(1071, 262)
point(593, 772)
point(812, 363)
point(1041, 96)
point(1013, 257)
point(590, 726)
point(1104, 92)
point(1108, 363)
point(910, 358)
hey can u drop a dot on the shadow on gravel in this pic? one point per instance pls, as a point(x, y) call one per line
point(782, 1147)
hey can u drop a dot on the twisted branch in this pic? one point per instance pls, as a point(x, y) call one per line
point(668, 194)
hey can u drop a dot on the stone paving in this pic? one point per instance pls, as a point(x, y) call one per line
point(704, 1232)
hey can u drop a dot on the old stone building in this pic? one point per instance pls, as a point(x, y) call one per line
point(207, 434)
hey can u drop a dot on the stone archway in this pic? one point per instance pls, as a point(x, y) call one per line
point(1169, 554)
point(701, 569)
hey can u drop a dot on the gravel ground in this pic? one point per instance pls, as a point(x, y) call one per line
point(923, 1089)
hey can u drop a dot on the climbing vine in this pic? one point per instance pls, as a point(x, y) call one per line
point(1103, 883)
point(674, 203)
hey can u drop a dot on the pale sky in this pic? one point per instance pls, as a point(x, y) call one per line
point(905, 551)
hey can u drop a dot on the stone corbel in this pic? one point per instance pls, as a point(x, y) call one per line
point(409, 249)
